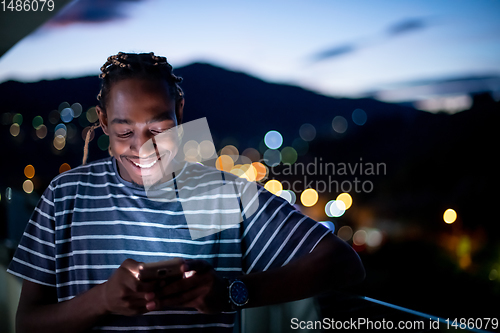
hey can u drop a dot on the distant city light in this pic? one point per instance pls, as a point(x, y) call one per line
point(15, 129)
point(37, 122)
point(359, 117)
point(28, 186)
point(261, 170)
point(449, 216)
point(64, 167)
point(346, 199)
point(307, 132)
point(29, 171)
point(91, 115)
point(273, 139)
point(335, 208)
point(77, 109)
point(41, 131)
point(252, 154)
point(224, 163)
point(309, 197)
point(359, 237)
point(288, 196)
point(339, 124)
point(17, 119)
point(231, 151)
point(274, 186)
point(272, 157)
point(103, 142)
point(288, 155)
point(345, 233)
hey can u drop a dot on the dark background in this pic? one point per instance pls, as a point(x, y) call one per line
point(434, 162)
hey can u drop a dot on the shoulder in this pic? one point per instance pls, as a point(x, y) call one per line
point(99, 172)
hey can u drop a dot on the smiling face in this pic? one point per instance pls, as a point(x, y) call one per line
point(136, 111)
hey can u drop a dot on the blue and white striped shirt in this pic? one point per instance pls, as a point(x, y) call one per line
point(89, 220)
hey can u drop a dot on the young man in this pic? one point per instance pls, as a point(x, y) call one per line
point(95, 226)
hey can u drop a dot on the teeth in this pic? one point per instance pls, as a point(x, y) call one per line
point(145, 166)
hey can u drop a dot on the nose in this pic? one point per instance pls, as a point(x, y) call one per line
point(142, 144)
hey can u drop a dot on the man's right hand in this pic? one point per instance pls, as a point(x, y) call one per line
point(125, 294)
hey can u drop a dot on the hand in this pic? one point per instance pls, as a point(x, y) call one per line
point(125, 294)
point(203, 289)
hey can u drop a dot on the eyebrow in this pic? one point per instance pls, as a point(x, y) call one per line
point(159, 118)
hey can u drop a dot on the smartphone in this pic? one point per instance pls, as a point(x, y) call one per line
point(167, 270)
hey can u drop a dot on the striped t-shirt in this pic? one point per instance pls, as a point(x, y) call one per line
point(89, 220)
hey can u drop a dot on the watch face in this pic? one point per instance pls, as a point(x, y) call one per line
point(239, 293)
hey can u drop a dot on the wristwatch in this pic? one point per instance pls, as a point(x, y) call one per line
point(238, 294)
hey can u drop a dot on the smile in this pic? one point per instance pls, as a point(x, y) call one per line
point(145, 166)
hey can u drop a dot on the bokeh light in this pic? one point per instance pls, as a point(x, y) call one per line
point(261, 170)
point(339, 124)
point(8, 193)
point(346, 199)
point(252, 154)
point(62, 106)
point(59, 142)
point(274, 186)
point(449, 216)
point(289, 196)
point(272, 157)
point(359, 117)
point(29, 171)
point(28, 186)
point(41, 131)
point(85, 131)
point(103, 142)
point(206, 149)
point(289, 155)
point(14, 129)
point(359, 237)
point(64, 167)
point(224, 163)
point(273, 139)
point(345, 233)
point(374, 238)
point(335, 208)
point(309, 197)
point(61, 129)
point(17, 119)
point(91, 115)
point(37, 122)
point(77, 110)
point(307, 132)
point(67, 115)
point(231, 151)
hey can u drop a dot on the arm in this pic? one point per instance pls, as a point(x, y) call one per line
point(332, 264)
point(123, 293)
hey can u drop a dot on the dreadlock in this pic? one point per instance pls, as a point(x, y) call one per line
point(135, 65)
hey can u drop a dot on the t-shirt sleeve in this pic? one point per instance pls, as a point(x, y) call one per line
point(276, 233)
point(34, 259)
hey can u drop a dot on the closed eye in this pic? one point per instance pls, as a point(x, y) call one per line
point(124, 135)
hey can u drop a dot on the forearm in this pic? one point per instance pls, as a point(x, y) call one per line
point(75, 315)
point(332, 264)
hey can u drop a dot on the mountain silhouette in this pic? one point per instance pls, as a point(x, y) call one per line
point(433, 160)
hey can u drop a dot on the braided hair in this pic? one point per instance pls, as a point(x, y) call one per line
point(140, 66)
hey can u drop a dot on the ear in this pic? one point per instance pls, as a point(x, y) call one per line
point(179, 111)
point(103, 119)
